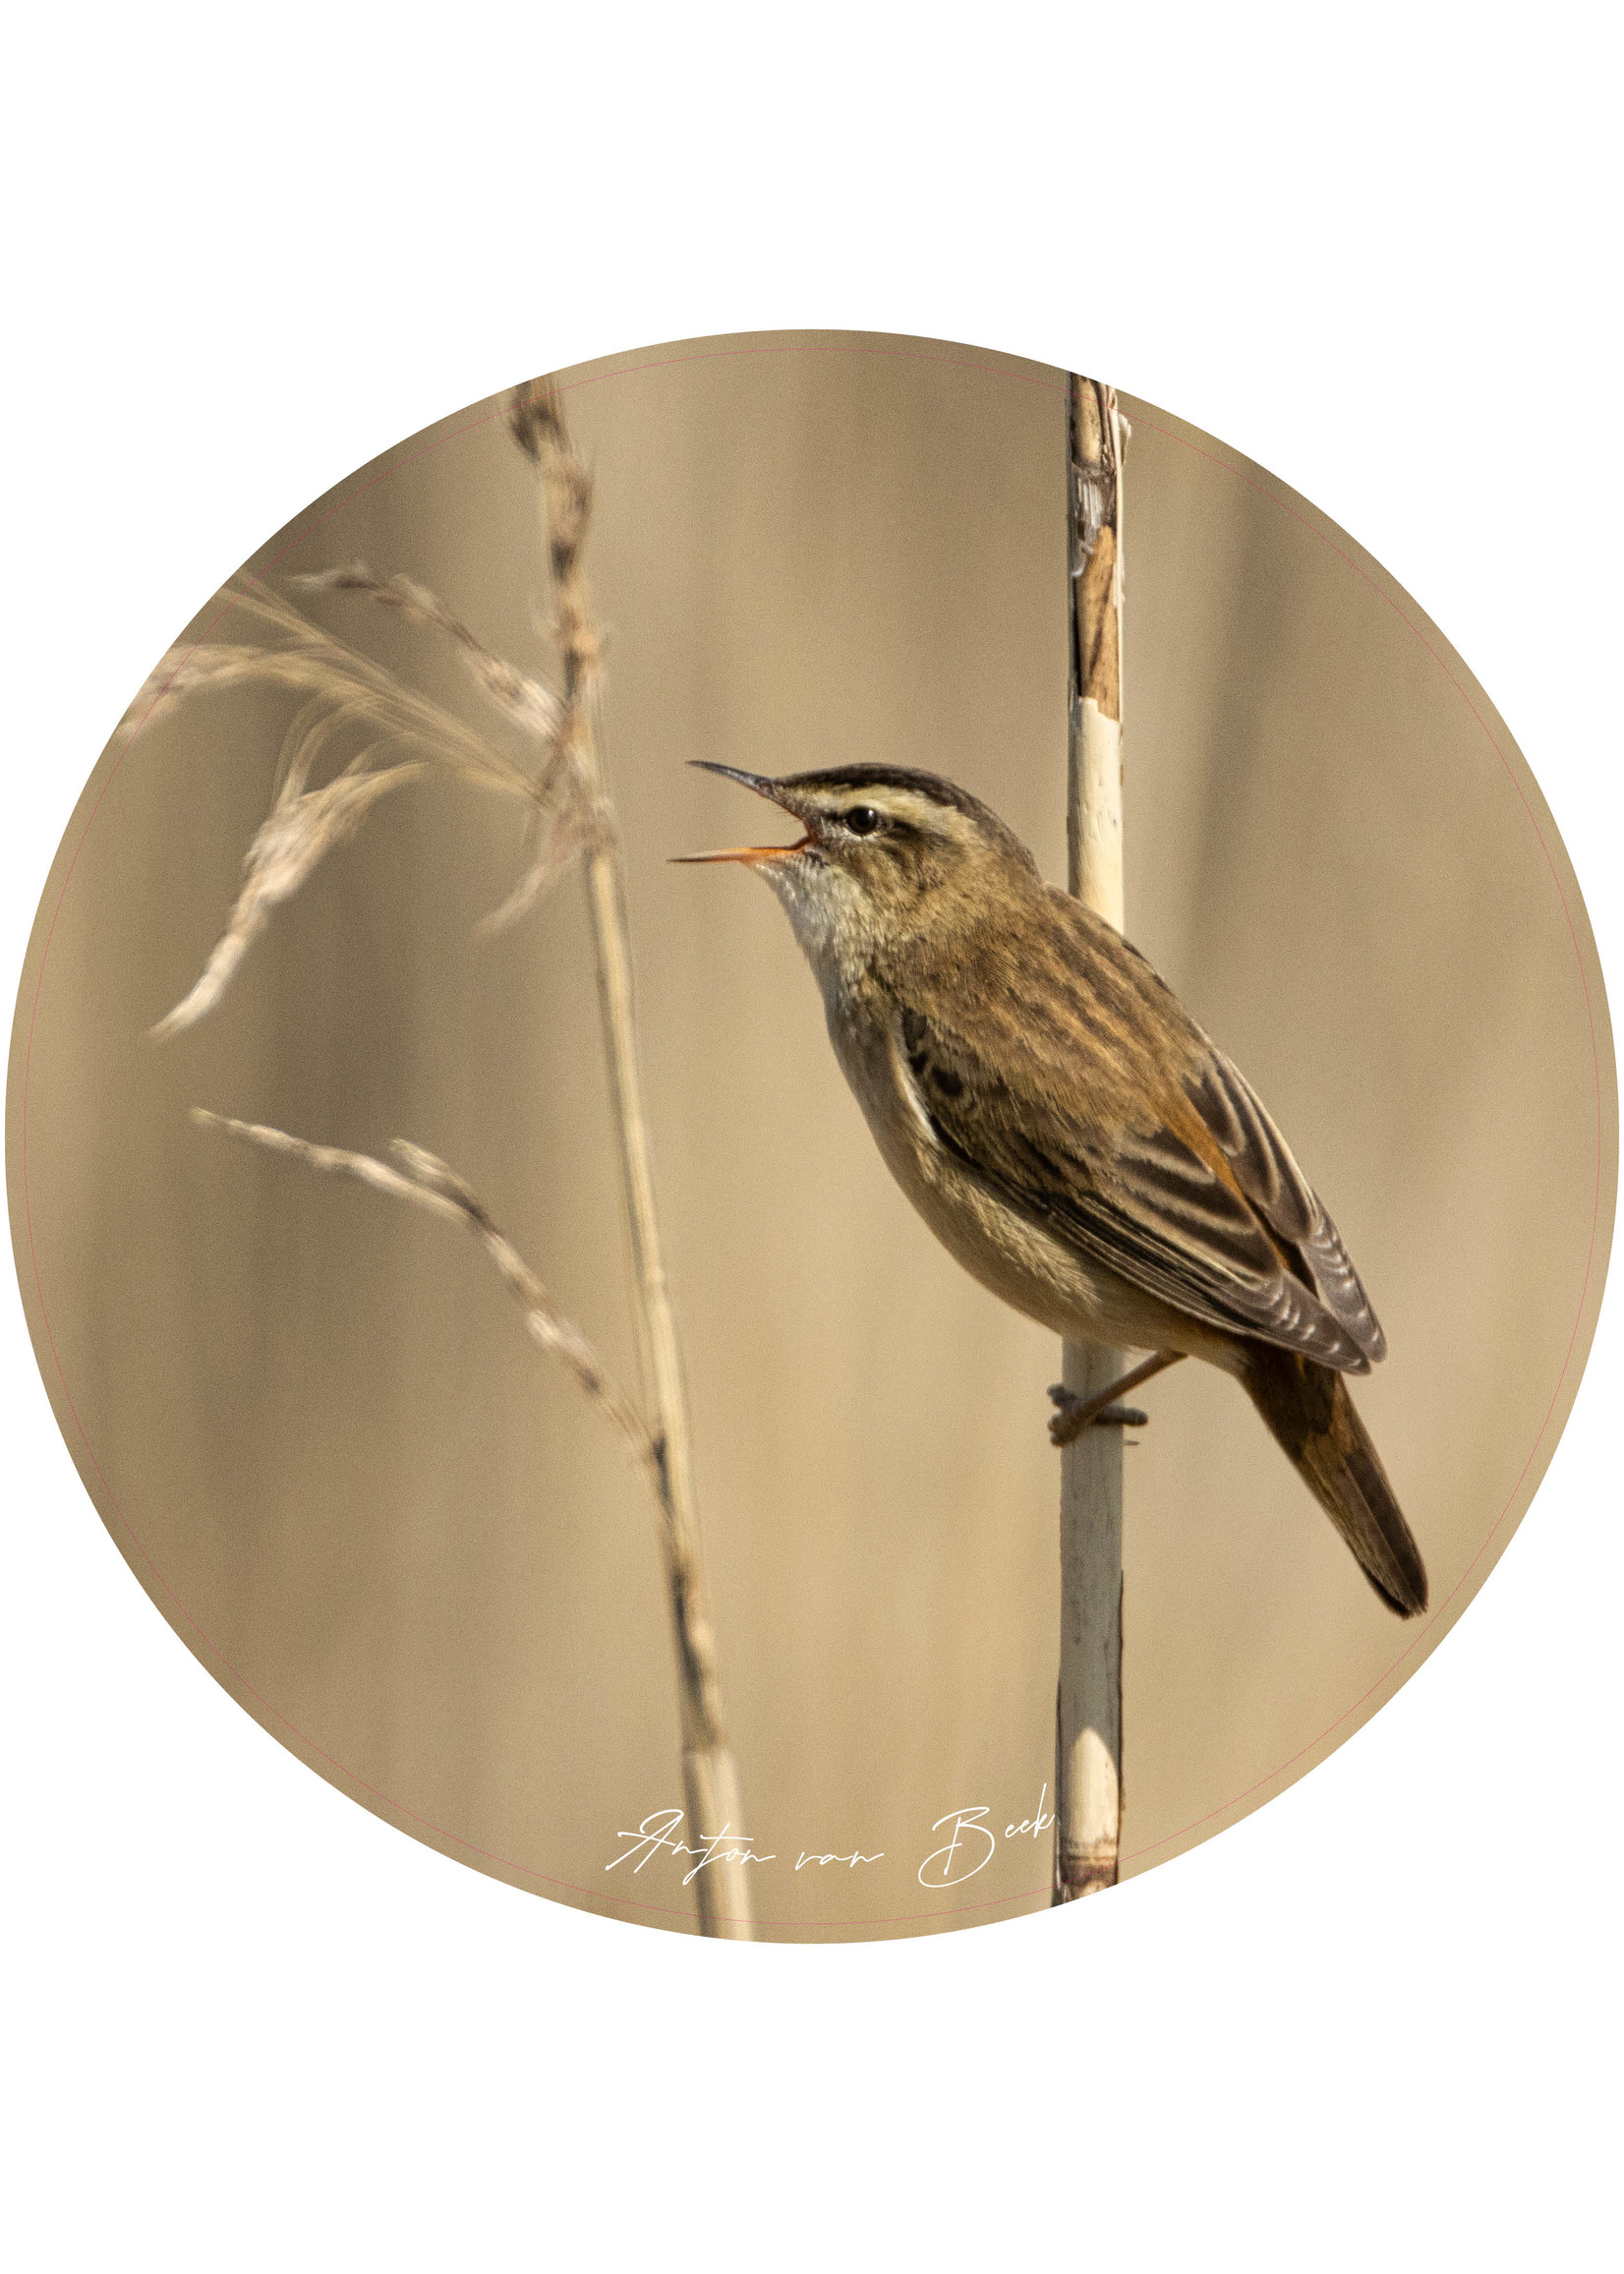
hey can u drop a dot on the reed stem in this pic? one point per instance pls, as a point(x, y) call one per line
point(1089, 1695)
point(708, 1773)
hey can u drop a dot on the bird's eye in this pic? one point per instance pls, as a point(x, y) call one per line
point(861, 820)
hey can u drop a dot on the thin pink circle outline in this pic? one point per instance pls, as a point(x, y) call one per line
point(184, 1621)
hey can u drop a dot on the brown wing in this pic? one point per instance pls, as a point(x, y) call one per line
point(1195, 1232)
point(1282, 1195)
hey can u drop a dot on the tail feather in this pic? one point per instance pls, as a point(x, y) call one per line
point(1312, 1417)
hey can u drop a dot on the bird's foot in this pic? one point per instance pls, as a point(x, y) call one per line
point(1078, 1414)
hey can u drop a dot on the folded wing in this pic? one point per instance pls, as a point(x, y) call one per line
point(1206, 1209)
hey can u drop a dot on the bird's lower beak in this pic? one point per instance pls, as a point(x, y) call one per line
point(750, 855)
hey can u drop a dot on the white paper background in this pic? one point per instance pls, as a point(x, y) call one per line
point(250, 2026)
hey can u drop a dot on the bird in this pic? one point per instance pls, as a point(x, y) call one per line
point(1067, 1130)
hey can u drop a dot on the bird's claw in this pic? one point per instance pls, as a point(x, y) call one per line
point(1075, 1416)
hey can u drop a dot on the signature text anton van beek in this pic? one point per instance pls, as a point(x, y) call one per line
point(969, 1844)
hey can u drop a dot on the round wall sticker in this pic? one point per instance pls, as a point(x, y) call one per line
point(866, 1406)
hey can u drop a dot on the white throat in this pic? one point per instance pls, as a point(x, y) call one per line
point(830, 917)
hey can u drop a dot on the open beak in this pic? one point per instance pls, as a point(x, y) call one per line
point(764, 787)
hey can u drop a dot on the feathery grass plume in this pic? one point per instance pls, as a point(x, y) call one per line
point(566, 815)
point(345, 690)
point(282, 856)
point(532, 706)
point(426, 1182)
point(566, 812)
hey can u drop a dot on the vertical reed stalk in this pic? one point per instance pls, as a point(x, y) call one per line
point(709, 1775)
point(1088, 1698)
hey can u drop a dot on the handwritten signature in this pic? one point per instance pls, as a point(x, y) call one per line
point(970, 1845)
point(660, 1831)
point(971, 1842)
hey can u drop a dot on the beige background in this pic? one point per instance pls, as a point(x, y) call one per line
point(313, 1422)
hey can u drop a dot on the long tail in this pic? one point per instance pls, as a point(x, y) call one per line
point(1310, 1411)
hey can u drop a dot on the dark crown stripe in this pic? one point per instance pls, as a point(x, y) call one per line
point(933, 787)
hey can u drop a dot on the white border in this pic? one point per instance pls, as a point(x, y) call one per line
point(259, 2029)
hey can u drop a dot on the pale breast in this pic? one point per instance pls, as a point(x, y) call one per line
point(1017, 1259)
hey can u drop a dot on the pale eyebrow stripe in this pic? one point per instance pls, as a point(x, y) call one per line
point(908, 806)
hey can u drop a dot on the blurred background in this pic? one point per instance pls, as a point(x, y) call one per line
point(312, 1418)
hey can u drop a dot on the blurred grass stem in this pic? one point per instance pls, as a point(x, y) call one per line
point(708, 1773)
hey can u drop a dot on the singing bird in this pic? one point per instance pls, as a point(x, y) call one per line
point(1067, 1130)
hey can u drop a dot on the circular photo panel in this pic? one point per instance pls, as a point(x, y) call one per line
point(812, 1137)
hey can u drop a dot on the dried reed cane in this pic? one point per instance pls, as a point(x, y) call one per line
point(569, 818)
point(709, 1775)
point(1089, 1695)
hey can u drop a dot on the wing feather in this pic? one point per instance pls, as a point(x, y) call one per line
point(1194, 1233)
point(1271, 1180)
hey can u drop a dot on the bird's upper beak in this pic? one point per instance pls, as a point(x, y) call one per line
point(764, 787)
